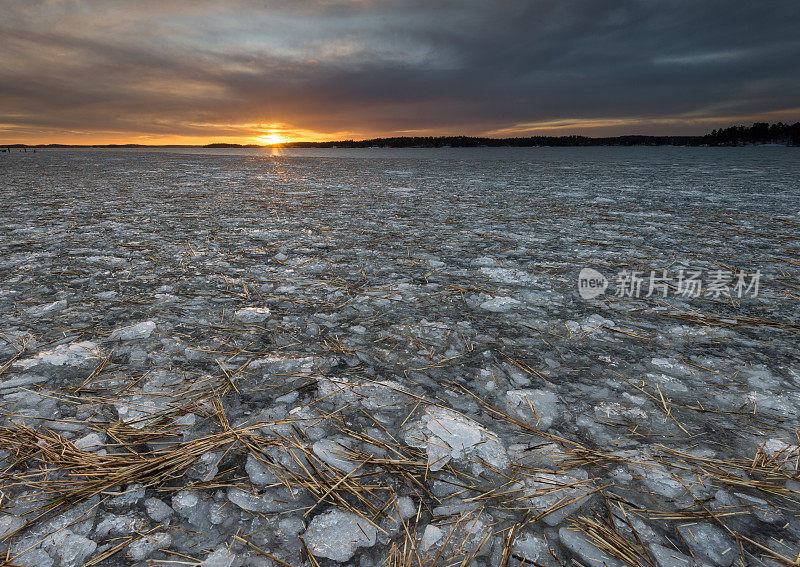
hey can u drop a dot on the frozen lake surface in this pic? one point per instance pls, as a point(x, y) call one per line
point(382, 357)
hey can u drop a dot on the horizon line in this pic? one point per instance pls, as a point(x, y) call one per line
point(442, 137)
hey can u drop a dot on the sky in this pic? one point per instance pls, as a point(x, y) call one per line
point(194, 72)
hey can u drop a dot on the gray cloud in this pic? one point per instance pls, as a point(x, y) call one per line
point(369, 68)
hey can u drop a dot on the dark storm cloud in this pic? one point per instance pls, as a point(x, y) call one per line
point(197, 69)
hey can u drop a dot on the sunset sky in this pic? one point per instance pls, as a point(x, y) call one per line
point(194, 72)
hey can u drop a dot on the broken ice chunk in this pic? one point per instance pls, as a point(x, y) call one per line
point(663, 482)
point(279, 366)
point(184, 500)
point(761, 509)
point(68, 360)
point(9, 523)
point(446, 434)
point(709, 542)
point(331, 451)
point(460, 433)
point(252, 315)
point(14, 384)
point(549, 490)
point(90, 442)
point(131, 495)
point(405, 506)
point(13, 343)
point(666, 481)
point(537, 408)
point(72, 548)
point(613, 411)
point(431, 535)
point(132, 332)
point(258, 473)
point(580, 545)
point(140, 409)
point(245, 500)
point(310, 421)
point(507, 275)
point(137, 411)
point(785, 404)
point(469, 533)
point(143, 548)
point(384, 395)
point(530, 548)
point(780, 453)
point(486, 261)
point(106, 295)
point(219, 558)
point(36, 556)
point(206, 467)
point(539, 455)
point(218, 513)
point(191, 506)
point(116, 525)
point(46, 309)
point(666, 557)
point(500, 304)
point(336, 535)
point(338, 391)
point(671, 366)
point(158, 509)
point(105, 260)
point(288, 530)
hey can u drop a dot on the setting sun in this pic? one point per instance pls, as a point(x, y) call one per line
point(273, 139)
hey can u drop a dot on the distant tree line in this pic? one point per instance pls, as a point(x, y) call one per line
point(758, 133)
point(474, 142)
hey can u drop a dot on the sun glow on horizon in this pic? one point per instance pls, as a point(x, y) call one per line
point(273, 139)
